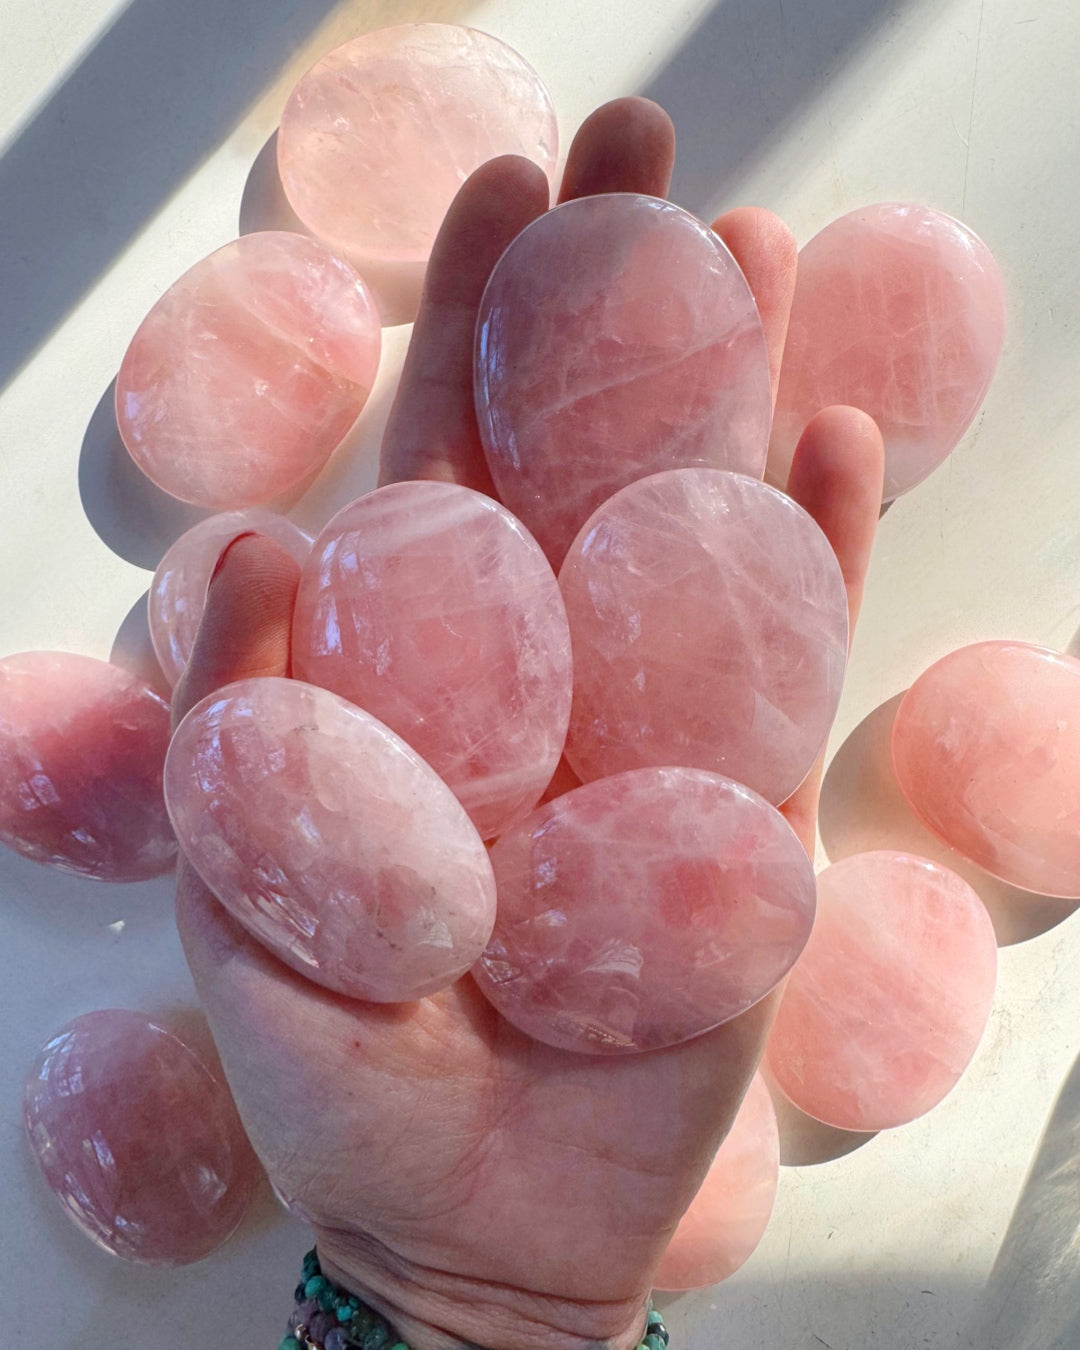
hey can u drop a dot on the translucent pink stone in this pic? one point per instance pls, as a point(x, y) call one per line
point(986, 748)
point(900, 311)
point(82, 747)
point(138, 1139)
point(887, 1004)
point(731, 1211)
point(429, 605)
point(617, 337)
point(644, 909)
point(178, 591)
point(709, 626)
point(248, 371)
point(329, 839)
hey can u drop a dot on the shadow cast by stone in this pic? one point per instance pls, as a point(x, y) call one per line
point(804, 1141)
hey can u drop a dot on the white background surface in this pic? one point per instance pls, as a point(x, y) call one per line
point(127, 137)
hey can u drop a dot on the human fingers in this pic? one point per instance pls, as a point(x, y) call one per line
point(627, 145)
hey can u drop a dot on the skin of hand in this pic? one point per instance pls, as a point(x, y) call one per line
point(477, 1187)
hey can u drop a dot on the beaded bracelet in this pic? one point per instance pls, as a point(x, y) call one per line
point(327, 1317)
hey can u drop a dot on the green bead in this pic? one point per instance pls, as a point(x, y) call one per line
point(327, 1298)
point(314, 1287)
point(289, 1343)
point(653, 1342)
point(655, 1319)
point(399, 1345)
point(378, 1338)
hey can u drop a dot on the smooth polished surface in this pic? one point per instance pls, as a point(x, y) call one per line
point(709, 625)
point(888, 1002)
point(644, 909)
point(617, 337)
point(246, 374)
point(429, 605)
point(82, 748)
point(138, 1139)
point(329, 839)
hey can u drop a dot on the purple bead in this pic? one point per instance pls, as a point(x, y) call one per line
point(320, 1325)
point(337, 1339)
point(302, 1314)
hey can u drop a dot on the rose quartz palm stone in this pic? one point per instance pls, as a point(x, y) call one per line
point(178, 591)
point(82, 748)
point(709, 626)
point(429, 605)
point(888, 1002)
point(986, 749)
point(329, 839)
point(617, 337)
point(728, 1216)
point(899, 310)
point(248, 372)
point(644, 909)
point(138, 1139)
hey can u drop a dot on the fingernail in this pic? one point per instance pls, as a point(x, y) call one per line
point(247, 534)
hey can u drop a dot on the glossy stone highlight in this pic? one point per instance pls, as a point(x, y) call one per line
point(138, 1139)
point(82, 748)
point(986, 748)
point(899, 310)
point(887, 1004)
point(248, 371)
point(617, 337)
point(709, 626)
point(329, 839)
point(644, 909)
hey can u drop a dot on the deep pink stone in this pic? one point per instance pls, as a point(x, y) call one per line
point(617, 337)
point(82, 747)
point(248, 371)
point(329, 839)
point(899, 310)
point(429, 605)
point(644, 909)
point(709, 626)
point(986, 748)
point(888, 1002)
point(138, 1139)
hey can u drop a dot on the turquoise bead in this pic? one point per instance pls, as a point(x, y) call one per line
point(315, 1286)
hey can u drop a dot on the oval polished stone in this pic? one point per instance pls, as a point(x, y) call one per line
point(709, 626)
point(248, 371)
point(889, 1001)
point(138, 1139)
point(429, 605)
point(178, 591)
point(644, 909)
point(986, 749)
point(617, 337)
point(82, 748)
point(329, 839)
point(899, 310)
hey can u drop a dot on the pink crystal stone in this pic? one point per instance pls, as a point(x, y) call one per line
point(709, 625)
point(986, 748)
point(429, 605)
point(617, 337)
point(82, 747)
point(178, 591)
point(329, 839)
point(888, 1003)
point(644, 909)
point(900, 311)
point(378, 136)
point(138, 1139)
point(731, 1211)
point(248, 371)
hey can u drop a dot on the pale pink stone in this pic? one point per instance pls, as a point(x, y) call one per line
point(138, 1139)
point(888, 1002)
point(899, 310)
point(617, 337)
point(644, 909)
point(731, 1211)
point(329, 839)
point(378, 136)
point(429, 605)
point(709, 626)
point(82, 747)
point(248, 371)
point(986, 748)
point(178, 591)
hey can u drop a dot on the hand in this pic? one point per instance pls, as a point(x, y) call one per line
point(470, 1183)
